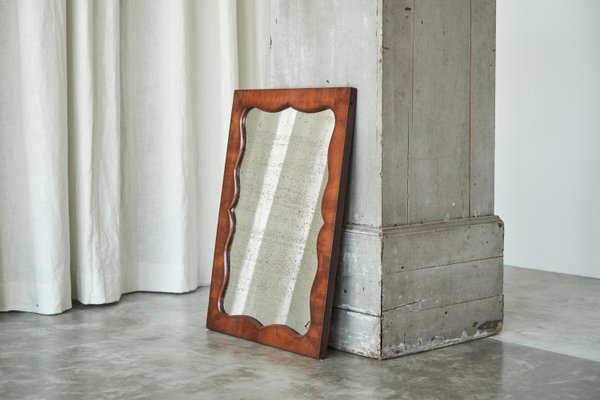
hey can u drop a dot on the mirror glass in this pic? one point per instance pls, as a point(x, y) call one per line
point(273, 254)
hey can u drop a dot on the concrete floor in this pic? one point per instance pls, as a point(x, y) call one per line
point(155, 346)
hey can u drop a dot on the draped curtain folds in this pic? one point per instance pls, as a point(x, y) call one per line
point(113, 127)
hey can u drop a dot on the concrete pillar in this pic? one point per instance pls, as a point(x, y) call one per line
point(422, 251)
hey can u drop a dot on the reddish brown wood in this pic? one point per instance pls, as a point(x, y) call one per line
point(342, 101)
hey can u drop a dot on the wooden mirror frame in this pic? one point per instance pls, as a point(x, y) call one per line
point(342, 101)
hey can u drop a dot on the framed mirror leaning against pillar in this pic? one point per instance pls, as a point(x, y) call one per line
point(280, 217)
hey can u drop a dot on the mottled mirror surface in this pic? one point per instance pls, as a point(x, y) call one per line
point(273, 255)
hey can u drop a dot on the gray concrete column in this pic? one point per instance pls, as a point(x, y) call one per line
point(422, 251)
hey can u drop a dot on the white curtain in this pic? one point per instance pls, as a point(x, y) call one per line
point(113, 126)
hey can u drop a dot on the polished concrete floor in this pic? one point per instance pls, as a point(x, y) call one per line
point(155, 346)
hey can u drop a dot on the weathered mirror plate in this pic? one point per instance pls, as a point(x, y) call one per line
point(280, 216)
point(273, 254)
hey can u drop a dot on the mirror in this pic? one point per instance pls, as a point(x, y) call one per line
point(280, 218)
point(273, 254)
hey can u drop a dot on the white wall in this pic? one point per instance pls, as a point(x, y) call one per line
point(548, 133)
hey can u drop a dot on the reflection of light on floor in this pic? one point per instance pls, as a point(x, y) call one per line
point(263, 209)
point(309, 207)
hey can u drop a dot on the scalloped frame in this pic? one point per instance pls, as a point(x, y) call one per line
point(342, 101)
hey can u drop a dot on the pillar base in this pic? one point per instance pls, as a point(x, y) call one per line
point(412, 288)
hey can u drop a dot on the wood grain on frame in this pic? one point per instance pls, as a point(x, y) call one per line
point(342, 101)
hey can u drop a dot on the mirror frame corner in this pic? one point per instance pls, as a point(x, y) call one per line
point(342, 101)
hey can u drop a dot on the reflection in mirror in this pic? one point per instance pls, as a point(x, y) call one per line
point(273, 255)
